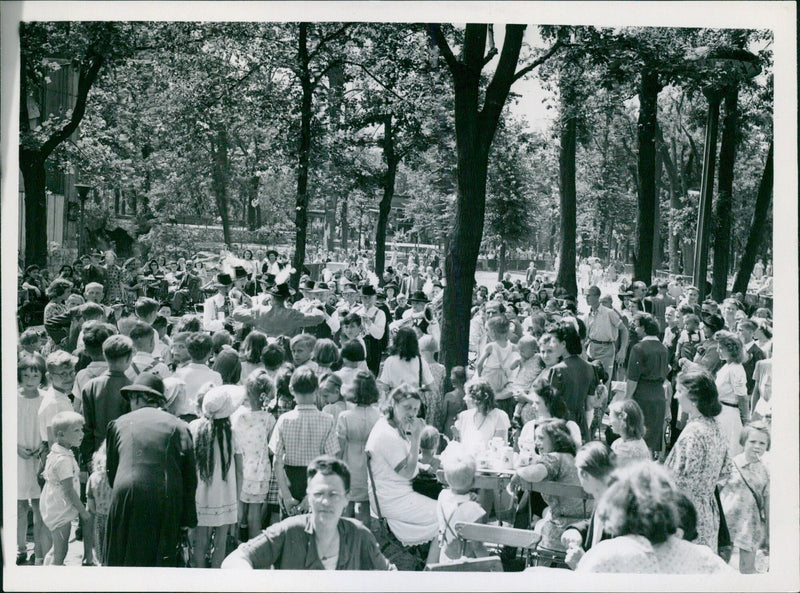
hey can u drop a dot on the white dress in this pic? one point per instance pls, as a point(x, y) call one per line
point(411, 516)
point(475, 434)
point(216, 500)
point(252, 431)
point(731, 383)
point(28, 436)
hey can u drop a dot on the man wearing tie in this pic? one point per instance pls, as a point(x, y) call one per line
point(218, 307)
point(412, 283)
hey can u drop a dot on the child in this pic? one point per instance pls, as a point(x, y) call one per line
point(281, 403)
point(527, 368)
point(354, 359)
point(219, 472)
point(179, 355)
point(455, 504)
point(627, 420)
point(197, 373)
point(302, 346)
point(31, 341)
point(253, 428)
point(352, 329)
point(60, 502)
point(352, 430)
point(428, 347)
point(454, 400)
point(330, 395)
point(495, 363)
point(690, 337)
point(425, 481)
point(597, 402)
point(98, 501)
point(272, 358)
point(745, 496)
point(326, 356)
point(251, 351)
point(30, 447)
point(299, 437)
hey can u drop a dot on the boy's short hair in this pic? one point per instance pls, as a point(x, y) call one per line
point(352, 319)
point(691, 317)
point(92, 312)
point(219, 339)
point(528, 340)
point(748, 324)
point(498, 324)
point(353, 351)
point(160, 322)
point(117, 347)
point(145, 306)
point(65, 420)
point(685, 310)
point(306, 339)
point(189, 324)
point(273, 356)
point(304, 381)
point(198, 345)
point(59, 359)
point(95, 333)
point(459, 471)
point(459, 373)
point(141, 331)
point(181, 337)
point(429, 438)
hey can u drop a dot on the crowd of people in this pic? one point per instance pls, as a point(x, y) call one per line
point(202, 413)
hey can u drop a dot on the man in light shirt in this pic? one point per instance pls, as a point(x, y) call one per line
point(143, 338)
point(602, 330)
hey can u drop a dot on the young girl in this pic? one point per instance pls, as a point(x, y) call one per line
point(745, 496)
point(251, 351)
point(252, 428)
point(326, 355)
point(219, 471)
point(31, 377)
point(352, 430)
point(60, 503)
point(627, 420)
point(98, 501)
point(330, 395)
point(428, 347)
point(280, 404)
point(454, 400)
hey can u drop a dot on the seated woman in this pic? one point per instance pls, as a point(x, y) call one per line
point(641, 509)
point(555, 462)
point(393, 447)
point(321, 540)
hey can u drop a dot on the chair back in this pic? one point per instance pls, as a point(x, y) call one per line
point(487, 564)
point(500, 536)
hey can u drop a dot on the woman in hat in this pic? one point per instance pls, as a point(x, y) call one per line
point(219, 472)
point(151, 469)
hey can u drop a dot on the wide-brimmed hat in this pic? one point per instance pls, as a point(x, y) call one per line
point(147, 383)
point(391, 285)
point(368, 290)
point(418, 296)
point(322, 287)
point(273, 252)
point(219, 403)
point(712, 321)
point(349, 287)
point(268, 280)
point(307, 284)
point(283, 291)
point(223, 279)
point(239, 272)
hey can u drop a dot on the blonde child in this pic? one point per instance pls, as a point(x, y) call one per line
point(496, 362)
point(745, 496)
point(252, 428)
point(60, 502)
point(330, 394)
point(627, 420)
point(526, 369)
point(456, 504)
point(352, 430)
point(428, 348)
point(31, 378)
point(98, 501)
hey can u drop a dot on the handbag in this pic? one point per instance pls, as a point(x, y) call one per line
point(423, 408)
point(403, 558)
point(762, 511)
point(724, 543)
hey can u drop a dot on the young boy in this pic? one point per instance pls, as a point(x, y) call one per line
point(302, 346)
point(300, 436)
point(197, 373)
point(178, 354)
point(496, 362)
point(526, 368)
point(454, 400)
point(144, 337)
point(690, 337)
point(455, 504)
point(60, 502)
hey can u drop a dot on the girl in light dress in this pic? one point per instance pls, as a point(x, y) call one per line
point(252, 429)
point(627, 420)
point(31, 378)
point(731, 382)
point(250, 356)
point(330, 392)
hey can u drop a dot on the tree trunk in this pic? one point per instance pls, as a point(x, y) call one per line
point(304, 154)
point(649, 87)
point(336, 80)
point(657, 215)
point(252, 209)
point(345, 226)
point(723, 215)
point(756, 236)
point(33, 175)
point(219, 181)
point(501, 261)
point(673, 186)
point(568, 200)
point(385, 206)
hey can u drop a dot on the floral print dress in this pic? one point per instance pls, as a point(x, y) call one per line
point(698, 461)
point(739, 503)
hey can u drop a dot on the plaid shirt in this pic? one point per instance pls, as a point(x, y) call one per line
point(302, 435)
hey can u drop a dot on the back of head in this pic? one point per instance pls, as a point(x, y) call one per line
point(353, 351)
point(199, 346)
point(304, 381)
point(189, 323)
point(117, 347)
point(429, 439)
point(406, 345)
point(141, 333)
point(220, 339)
point(260, 388)
point(365, 389)
point(702, 390)
point(596, 459)
point(94, 334)
point(272, 356)
point(427, 343)
point(459, 467)
point(92, 312)
point(145, 307)
point(325, 352)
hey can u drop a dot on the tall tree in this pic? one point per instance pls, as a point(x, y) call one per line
point(475, 128)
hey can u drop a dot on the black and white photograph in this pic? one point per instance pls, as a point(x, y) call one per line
point(413, 287)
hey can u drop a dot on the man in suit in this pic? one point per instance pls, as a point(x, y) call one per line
point(374, 322)
point(218, 307)
point(413, 282)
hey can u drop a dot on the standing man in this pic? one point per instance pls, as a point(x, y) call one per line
point(411, 283)
point(374, 322)
point(602, 330)
point(218, 307)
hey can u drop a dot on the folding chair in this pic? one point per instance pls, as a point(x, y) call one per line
point(487, 564)
point(523, 539)
point(543, 556)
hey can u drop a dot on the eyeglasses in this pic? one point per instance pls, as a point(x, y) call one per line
point(331, 495)
point(64, 373)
